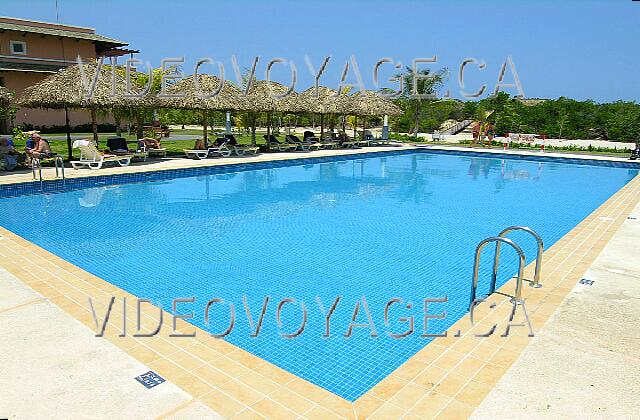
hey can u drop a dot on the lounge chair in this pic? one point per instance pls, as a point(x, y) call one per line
point(150, 148)
point(368, 139)
point(275, 143)
point(240, 149)
point(220, 149)
point(160, 152)
point(118, 146)
point(304, 145)
point(91, 157)
point(196, 153)
point(309, 137)
point(380, 141)
point(346, 142)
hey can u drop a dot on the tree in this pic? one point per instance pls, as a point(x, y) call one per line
point(428, 83)
point(139, 114)
point(563, 119)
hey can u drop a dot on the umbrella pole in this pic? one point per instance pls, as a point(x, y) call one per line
point(321, 126)
point(68, 127)
point(268, 130)
point(268, 125)
point(252, 119)
point(204, 128)
point(364, 126)
point(94, 125)
point(355, 127)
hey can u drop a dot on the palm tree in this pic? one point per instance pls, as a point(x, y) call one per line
point(425, 86)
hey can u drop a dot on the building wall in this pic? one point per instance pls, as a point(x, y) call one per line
point(43, 50)
point(18, 81)
point(47, 47)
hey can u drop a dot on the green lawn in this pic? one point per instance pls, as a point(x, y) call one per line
point(174, 147)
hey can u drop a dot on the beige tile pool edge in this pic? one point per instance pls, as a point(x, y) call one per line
point(448, 378)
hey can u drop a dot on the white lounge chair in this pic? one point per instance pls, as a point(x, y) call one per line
point(241, 150)
point(221, 150)
point(93, 158)
point(162, 152)
point(196, 154)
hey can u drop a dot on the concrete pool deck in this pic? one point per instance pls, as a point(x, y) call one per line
point(449, 378)
point(48, 346)
point(585, 362)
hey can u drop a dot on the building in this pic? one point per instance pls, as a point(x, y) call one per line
point(532, 101)
point(31, 50)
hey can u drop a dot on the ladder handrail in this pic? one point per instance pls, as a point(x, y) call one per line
point(476, 266)
point(36, 169)
point(35, 164)
point(496, 261)
point(59, 162)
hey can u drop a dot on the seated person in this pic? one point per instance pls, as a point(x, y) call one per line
point(41, 149)
point(8, 155)
point(309, 137)
point(149, 143)
point(31, 144)
point(342, 137)
point(199, 145)
point(221, 140)
point(231, 140)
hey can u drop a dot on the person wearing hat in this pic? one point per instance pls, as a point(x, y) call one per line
point(8, 155)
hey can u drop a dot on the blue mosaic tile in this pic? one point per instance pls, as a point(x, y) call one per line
point(396, 224)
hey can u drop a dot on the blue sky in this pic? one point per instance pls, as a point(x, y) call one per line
point(580, 49)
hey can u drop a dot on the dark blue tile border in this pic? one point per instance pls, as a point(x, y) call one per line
point(53, 186)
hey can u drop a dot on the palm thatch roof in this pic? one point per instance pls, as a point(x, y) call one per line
point(206, 95)
point(5, 96)
point(324, 100)
point(67, 89)
point(268, 96)
point(373, 104)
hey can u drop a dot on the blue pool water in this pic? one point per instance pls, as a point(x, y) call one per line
point(402, 225)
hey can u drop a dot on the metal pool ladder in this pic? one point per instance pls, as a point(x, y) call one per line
point(536, 277)
point(499, 240)
point(36, 169)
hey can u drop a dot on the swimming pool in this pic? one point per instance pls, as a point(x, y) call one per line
point(399, 225)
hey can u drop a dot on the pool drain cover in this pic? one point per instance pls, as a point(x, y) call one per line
point(150, 379)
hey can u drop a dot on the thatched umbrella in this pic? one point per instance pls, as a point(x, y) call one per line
point(206, 94)
point(371, 103)
point(65, 89)
point(269, 97)
point(5, 96)
point(325, 101)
